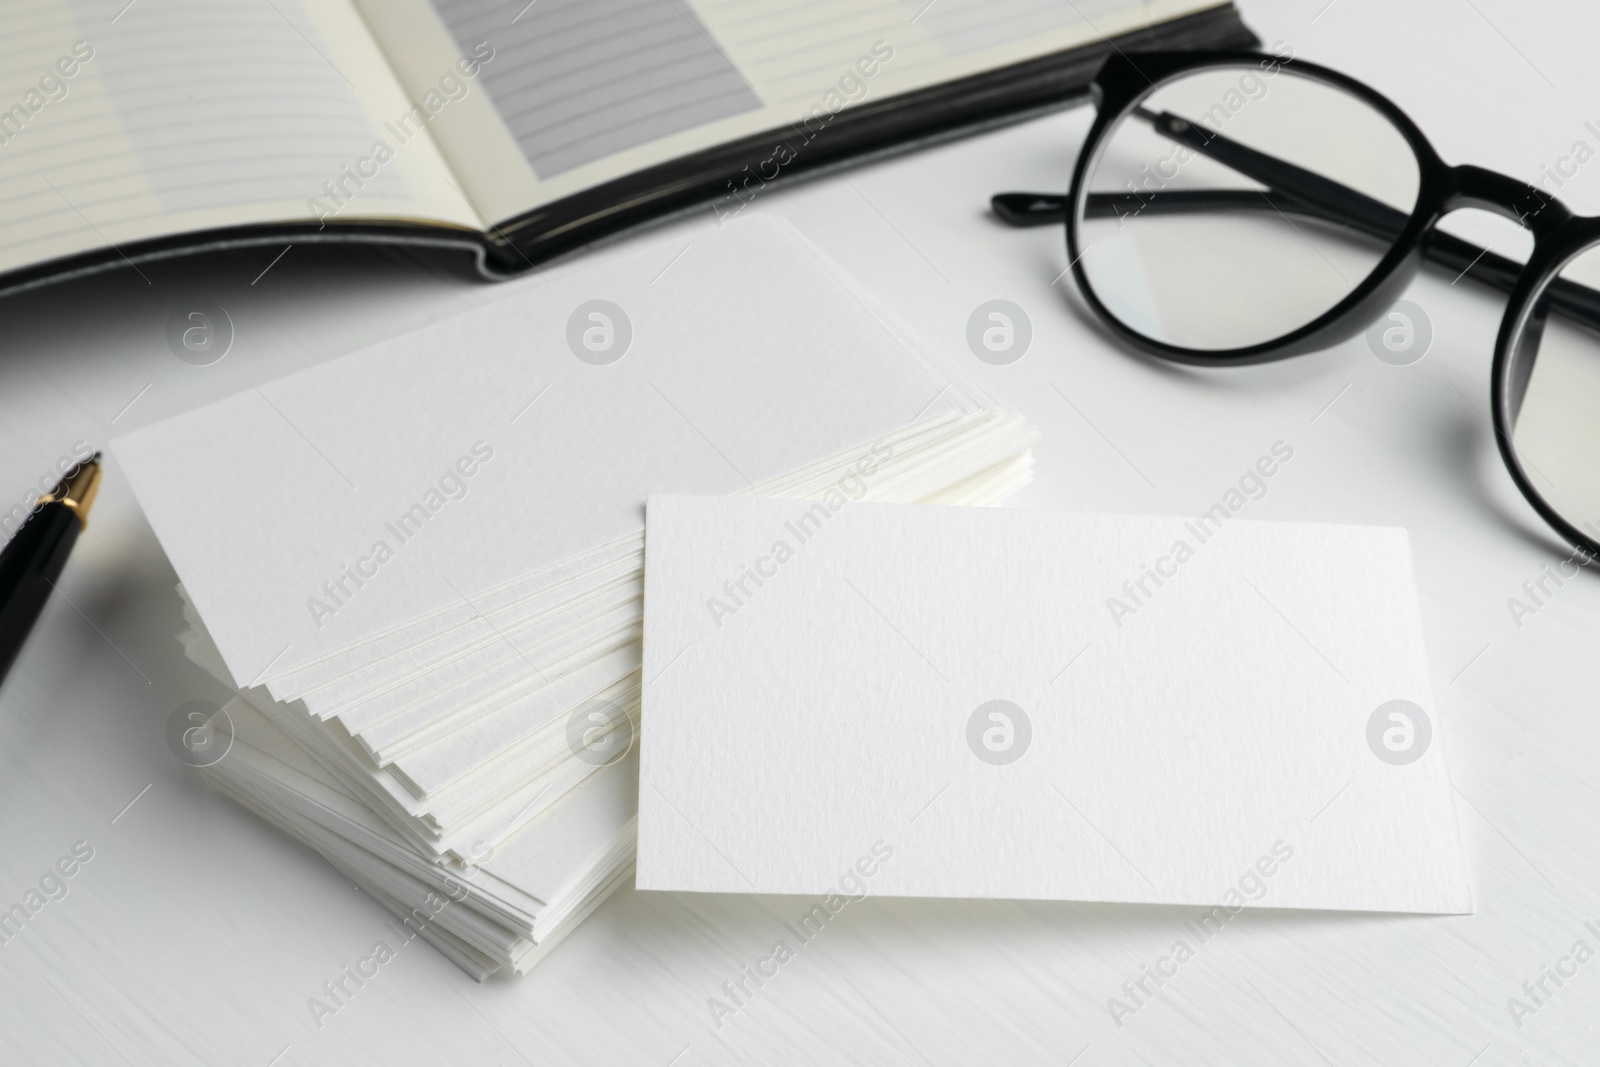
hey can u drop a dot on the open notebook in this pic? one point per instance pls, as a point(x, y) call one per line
point(131, 131)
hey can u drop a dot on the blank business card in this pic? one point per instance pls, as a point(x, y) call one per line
point(482, 449)
point(1013, 704)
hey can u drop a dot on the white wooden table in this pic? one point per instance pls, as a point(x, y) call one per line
point(195, 934)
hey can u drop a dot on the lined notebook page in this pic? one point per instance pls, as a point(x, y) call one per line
point(590, 78)
point(796, 50)
point(185, 115)
point(582, 91)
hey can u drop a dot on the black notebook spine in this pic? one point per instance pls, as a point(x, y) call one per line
point(728, 176)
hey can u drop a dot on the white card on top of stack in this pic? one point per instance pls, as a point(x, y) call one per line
point(926, 701)
point(392, 484)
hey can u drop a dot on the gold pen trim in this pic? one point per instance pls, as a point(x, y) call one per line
point(77, 490)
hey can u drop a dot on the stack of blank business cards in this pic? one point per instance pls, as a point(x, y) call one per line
point(421, 565)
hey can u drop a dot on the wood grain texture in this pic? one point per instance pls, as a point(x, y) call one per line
point(196, 935)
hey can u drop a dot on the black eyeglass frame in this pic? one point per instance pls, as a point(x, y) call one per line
point(1559, 235)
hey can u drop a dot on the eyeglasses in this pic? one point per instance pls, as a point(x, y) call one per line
point(1233, 207)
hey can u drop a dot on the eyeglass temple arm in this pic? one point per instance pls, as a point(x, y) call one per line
point(1291, 190)
point(1447, 251)
point(1323, 197)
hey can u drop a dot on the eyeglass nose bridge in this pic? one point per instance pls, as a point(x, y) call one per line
point(1467, 186)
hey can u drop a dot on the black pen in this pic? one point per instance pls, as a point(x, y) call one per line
point(32, 561)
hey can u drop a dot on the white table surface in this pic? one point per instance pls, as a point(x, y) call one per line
point(196, 934)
